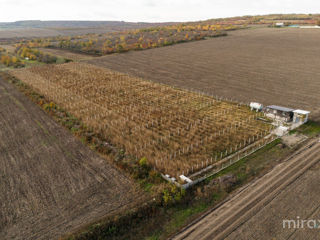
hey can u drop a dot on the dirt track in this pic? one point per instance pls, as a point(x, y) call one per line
point(252, 213)
point(50, 183)
point(271, 66)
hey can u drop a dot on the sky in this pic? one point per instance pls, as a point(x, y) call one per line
point(147, 10)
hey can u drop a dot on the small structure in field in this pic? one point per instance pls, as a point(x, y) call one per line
point(300, 116)
point(185, 179)
point(279, 113)
point(279, 24)
point(310, 27)
point(258, 107)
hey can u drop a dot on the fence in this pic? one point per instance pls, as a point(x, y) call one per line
point(223, 164)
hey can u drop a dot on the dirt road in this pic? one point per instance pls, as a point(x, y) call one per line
point(50, 183)
point(222, 222)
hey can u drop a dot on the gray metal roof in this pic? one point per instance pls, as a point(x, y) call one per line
point(283, 109)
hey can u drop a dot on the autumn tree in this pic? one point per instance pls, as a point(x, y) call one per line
point(119, 48)
point(122, 38)
point(11, 61)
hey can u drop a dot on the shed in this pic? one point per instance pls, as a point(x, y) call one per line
point(256, 106)
point(279, 113)
point(300, 116)
point(279, 24)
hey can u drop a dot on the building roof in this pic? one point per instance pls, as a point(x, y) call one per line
point(283, 109)
point(301, 112)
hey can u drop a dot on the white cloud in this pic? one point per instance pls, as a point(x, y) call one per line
point(147, 10)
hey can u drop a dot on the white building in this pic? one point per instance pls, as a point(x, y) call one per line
point(308, 27)
point(280, 24)
point(256, 106)
point(279, 113)
point(300, 116)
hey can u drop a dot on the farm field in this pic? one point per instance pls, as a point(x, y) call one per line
point(267, 65)
point(7, 33)
point(50, 183)
point(301, 199)
point(28, 29)
point(66, 54)
point(8, 48)
point(179, 132)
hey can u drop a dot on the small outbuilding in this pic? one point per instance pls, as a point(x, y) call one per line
point(279, 113)
point(256, 106)
point(300, 116)
point(279, 24)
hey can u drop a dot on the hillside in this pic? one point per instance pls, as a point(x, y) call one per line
point(38, 28)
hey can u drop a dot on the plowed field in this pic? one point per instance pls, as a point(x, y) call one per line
point(267, 65)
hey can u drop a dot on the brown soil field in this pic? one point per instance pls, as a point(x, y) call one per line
point(27, 32)
point(13, 33)
point(66, 54)
point(267, 65)
point(178, 131)
point(50, 183)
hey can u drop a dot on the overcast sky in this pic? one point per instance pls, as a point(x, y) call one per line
point(147, 10)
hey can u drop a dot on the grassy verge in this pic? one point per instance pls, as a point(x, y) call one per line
point(309, 129)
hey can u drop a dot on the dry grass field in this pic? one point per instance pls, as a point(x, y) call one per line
point(267, 65)
point(50, 183)
point(178, 131)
